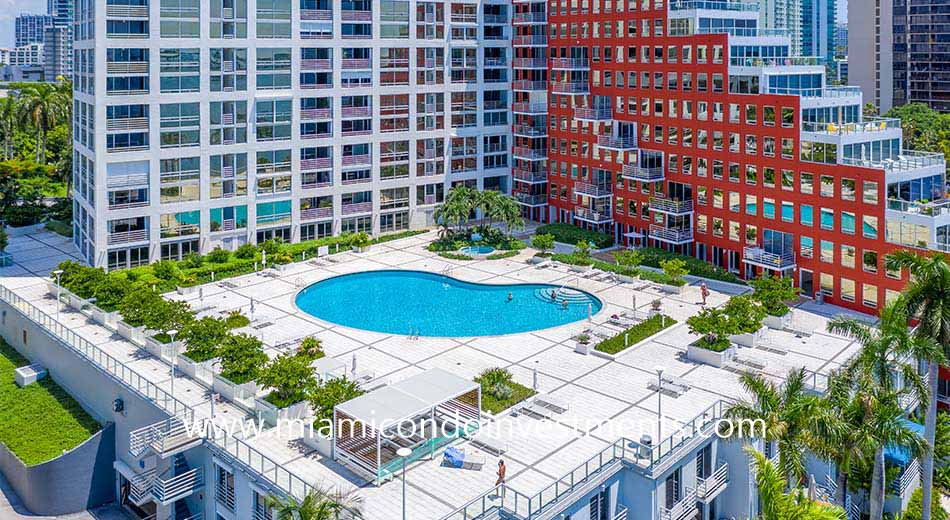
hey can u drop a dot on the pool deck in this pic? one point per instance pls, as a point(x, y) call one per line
point(603, 389)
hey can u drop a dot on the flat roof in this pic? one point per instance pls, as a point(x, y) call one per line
point(407, 398)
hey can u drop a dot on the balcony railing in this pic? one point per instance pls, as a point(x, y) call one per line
point(356, 16)
point(642, 173)
point(316, 163)
point(870, 124)
point(529, 176)
point(620, 144)
point(593, 114)
point(127, 11)
point(316, 14)
point(570, 87)
point(530, 40)
point(312, 114)
point(671, 206)
point(594, 217)
point(786, 61)
point(907, 160)
point(164, 438)
point(671, 235)
point(496, 62)
point(316, 86)
point(125, 237)
point(529, 108)
point(532, 17)
point(526, 199)
point(714, 5)
point(127, 181)
point(530, 154)
point(357, 63)
point(166, 491)
point(592, 190)
point(711, 486)
point(316, 64)
point(685, 508)
point(316, 213)
point(353, 160)
point(127, 67)
point(530, 130)
point(908, 478)
point(496, 19)
point(127, 205)
point(570, 64)
point(358, 207)
point(347, 133)
point(531, 63)
point(361, 111)
point(762, 258)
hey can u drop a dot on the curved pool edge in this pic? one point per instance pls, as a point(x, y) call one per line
point(328, 323)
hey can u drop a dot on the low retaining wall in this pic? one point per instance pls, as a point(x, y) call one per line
point(75, 481)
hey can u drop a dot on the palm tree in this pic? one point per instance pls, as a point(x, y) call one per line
point(8, 121)
point(886, 352)
point(793, 418)
point(319, 504)
point(927, 295)
point(488, 202)
point(509, 212)
point(41, 107)
point(776, 504)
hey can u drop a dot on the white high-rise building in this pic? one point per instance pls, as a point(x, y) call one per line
point(233, 121)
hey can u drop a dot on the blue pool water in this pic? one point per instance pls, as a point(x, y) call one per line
point(435, 305)
point(477, 250)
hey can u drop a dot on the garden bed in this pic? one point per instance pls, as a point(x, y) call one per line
point(635, 334)
point(652, 257)
point(570, 234)
point(492, 401)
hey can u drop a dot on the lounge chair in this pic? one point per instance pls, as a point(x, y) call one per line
point(493, 446)
point(537, 411)
point(553, 403)
point(459, 458)
point(622, 320)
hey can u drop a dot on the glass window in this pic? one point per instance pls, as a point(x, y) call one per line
point(827, 251)
point(869, 295)
point(847, 290)
point(806, 215)
point(847, 255)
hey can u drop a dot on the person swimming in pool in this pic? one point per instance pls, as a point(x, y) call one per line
point(564, 304)
point(510, 297)
point(553, 295)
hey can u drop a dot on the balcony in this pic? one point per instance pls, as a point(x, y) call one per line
point(673, 236)
point(870, 125)
point(532, 131)
point(570, 64)
point(496, 19)
point(710, 487)
point(320, 65)
point(908, 160)
point(576, 88)
point(531, 63)
point(592, 190)
point(140, 487)
point(529, 200)
point(682, 510)
point(166, 491)
point(362, 111)
point(787, 61)
point(671, 206)
point(530, 154)
point(530, 40)
point(529, 108)
point(762, 258)
point(357, 160)
point(316, 114)
point(348, 15)
point(529, 18)
point(316, 14)
point(357, 64)
point(127, 181)
point(316, 213)
point(357, 207)
point(618, 144)
point(316, 86)
point(529, 176)
point(594, 115)
point(165, 438)
point(636, 172)
point(496, 62)
point(127, 237)
point(127, 11)
point(593, 217)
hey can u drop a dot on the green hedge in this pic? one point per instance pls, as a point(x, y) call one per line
point(652, 257)
point(635, 334)
point(570, 234)
point(502, 255)
point(455, 256)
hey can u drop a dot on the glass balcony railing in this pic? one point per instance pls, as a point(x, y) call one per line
point(870, 124)
point(907, 160)
point(768, 260)
point(786, 61)
point(714, 5)
point(937, 208)
point(743, 31)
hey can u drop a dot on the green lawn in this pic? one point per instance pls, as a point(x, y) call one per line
point(41, 420)
point(635, 334)
point(61, 227)
point(493, 405)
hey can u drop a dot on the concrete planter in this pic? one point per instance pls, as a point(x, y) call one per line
point(750, 339)
point(240, 394)
point(625, 278)
point(709, 357)
point(580, 268)
point(75, 302)
point(187, 290)
point(672, 289)
point(133, 334)
point(280, 268)
point(108, 319)
point(202, 372)
point(164, 351)
point(270, 414)
point(583, 348)
point(777, 322)
point(323, 445)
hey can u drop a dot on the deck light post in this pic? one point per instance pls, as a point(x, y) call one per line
point(57, 273)
point(404, 453)
point(659, 403)
point(171, 334)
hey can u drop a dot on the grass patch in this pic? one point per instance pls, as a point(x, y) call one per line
point(41, 420)
point(454, 256)
point(60, 227)
point(502, 255)
point(715, 346)
point(236, 320)
point(635, 334)
point(492, 404)
point(570, 234)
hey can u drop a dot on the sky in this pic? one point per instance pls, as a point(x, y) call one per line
point(9, 9)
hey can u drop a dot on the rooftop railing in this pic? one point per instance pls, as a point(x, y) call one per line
point(714, 5)
point(935, 208)
point(870, 124)
point(907, 160)
point(786, 61)
point(743, 31)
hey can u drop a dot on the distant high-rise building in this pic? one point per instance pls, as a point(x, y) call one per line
point(61, 11)
point(783, 16)
point(29, 28)
point(897, 56)
point(818, 29)
point(841, 40)
point(58, 52)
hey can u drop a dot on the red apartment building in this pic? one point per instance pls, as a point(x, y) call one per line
point(680, 124)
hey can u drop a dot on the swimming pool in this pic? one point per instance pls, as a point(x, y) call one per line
point(429, 304)
point(477, 250)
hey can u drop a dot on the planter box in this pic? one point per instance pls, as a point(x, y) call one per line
point(108, 319)
point(280, 268)
point(537, 260)
point(133, 334)
point(583, 348)
point(625, 278)
point(270, 414)
point(202, 372)
point(580, 268)
point(187, 290)
point(323, 445)
point(75, 302)
point(361, 249)
point(748, 340)
point(242, 394)
point(164, 351)
point(672, 289)
point(778, 322)
point(709, 357)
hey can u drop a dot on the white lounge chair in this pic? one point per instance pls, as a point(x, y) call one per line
point(493, 446)
point(553, 403)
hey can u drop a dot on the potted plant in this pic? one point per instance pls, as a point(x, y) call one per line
point(323, 399)
point(543, 243)
point(583, 343)
point(360, 242)
point(654, 307)
point(629, 259)
point(746, 318)
point(771, 292)
point(291, 379)
point(675, 270)
point(580, 258)
point(714, 347)
point(242, 358)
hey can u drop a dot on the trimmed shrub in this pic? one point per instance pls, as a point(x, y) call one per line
point(569, 234)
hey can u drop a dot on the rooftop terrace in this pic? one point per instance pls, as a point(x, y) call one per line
point(600, 392)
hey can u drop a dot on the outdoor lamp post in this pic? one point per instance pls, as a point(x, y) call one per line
point(171, 334)
point(659, 403)
point(57, 273)
point(404, 453)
